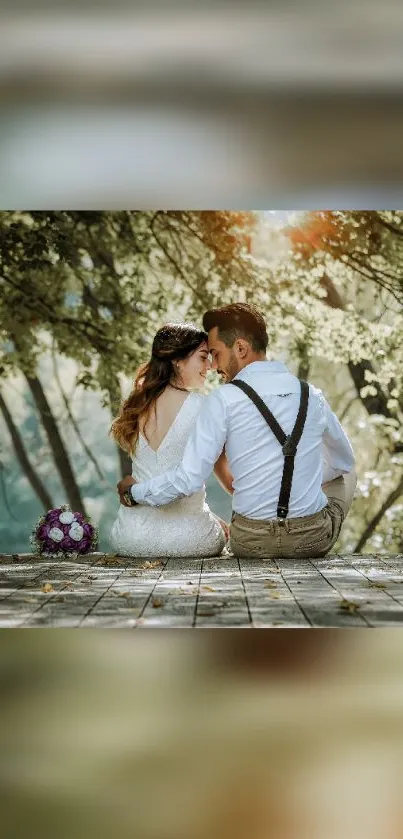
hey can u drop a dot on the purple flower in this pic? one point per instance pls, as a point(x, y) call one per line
point(79, 517)
point(42, 532)
point(83, 546)
point(67, 544)
point(88, 530)
point(51, 547)
point(53, 516)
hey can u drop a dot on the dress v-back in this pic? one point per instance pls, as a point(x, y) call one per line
point(185, 527)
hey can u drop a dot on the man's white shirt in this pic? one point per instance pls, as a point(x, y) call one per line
point(229, 418)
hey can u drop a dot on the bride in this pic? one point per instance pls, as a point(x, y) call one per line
point(153, 426)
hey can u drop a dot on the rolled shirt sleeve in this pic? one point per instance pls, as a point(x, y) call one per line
point(203, 448)
point(338, 455)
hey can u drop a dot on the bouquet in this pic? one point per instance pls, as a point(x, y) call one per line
point(60, 533)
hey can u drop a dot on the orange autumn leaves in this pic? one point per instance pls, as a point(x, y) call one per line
point(321, 231)
point(355, 233)
point(227, 233)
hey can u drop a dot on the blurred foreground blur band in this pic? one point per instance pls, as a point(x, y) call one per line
point(185, 104)
point(280, 735)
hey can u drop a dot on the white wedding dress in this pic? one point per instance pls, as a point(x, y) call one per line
point(185, 527)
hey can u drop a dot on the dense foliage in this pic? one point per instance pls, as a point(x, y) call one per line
point(81, 294)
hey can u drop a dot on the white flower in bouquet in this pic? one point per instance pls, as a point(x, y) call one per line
point(56, 534)
point(76, 532)
point(66, 517)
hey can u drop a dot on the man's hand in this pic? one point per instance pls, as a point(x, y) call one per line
point(122, 486)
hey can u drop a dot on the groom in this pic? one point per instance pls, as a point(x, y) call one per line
point(290, 463)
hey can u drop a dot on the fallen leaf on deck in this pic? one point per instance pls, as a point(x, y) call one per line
point(149, 564)
point(156, 603)
point(349, 606)
point(208, 588)
point(110, 559)
point(206, 614)
point(377, 585)
point(269, 584)
point(47, 587)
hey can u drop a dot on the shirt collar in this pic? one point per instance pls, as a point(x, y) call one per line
point(267, 367)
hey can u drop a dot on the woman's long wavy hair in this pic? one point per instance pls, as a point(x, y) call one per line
point(172, 342)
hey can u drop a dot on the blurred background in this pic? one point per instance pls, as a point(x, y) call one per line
point(215, 735)
point(180, 104)
point(82, 294)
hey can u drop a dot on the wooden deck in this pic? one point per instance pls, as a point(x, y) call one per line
point(108, 591)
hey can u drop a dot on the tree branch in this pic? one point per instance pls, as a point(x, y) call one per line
point(392, 497)
point(73, 421)
point(177, 267)
point(388, 225)
point(26, 466)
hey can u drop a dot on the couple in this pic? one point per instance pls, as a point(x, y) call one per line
point(273, 442)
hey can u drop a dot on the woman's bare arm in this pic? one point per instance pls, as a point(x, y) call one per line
point(223, 473)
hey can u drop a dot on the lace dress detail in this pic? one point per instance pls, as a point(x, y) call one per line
point(185, 527)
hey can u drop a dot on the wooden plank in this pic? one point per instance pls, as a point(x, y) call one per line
point(271, 602)
point(122, 603)
point(107, 591)
point(379, 574)
point(320, 602)
point(372, 603)
point(21, 607)
point(70, 600)
point(172, 602)
point(25, 559)
point(387, 582)
point(116, 606)
point(17, 580)
point(222, 600)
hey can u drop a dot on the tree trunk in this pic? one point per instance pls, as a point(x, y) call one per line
point(125, 462)
point(304, 365)
point(36, 483)
point(57, 446)
point(75, 424)
point(373, 524)
point(373, 404)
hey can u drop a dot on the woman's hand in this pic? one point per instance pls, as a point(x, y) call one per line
point(225, 527)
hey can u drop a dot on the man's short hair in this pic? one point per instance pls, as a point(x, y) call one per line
point(238, 320)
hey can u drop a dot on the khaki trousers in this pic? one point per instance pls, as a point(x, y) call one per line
point(308, 536)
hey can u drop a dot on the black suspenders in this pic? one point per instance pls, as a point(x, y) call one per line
point(289, 444)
